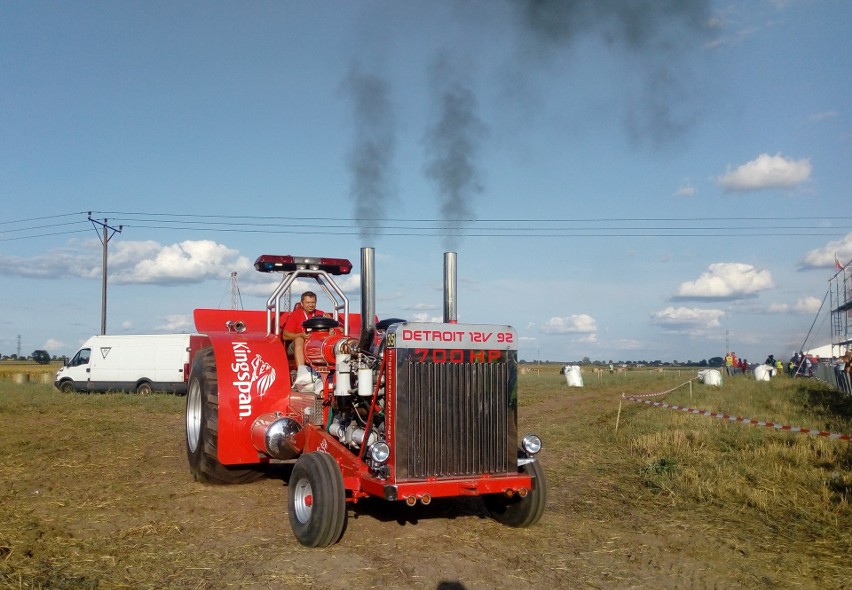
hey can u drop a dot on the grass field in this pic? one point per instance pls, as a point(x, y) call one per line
point(27, 371)
point(95, 493)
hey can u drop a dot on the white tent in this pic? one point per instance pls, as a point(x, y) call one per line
point(573, 376)
point(710, 377)
point(763, 372)
point(826, 351)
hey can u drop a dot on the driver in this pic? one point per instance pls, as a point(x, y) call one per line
point(294, 333)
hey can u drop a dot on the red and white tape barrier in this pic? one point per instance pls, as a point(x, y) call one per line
point(749, 421)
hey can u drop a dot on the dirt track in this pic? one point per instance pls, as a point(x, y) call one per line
point(118, 509)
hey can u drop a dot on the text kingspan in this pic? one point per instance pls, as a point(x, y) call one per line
point(242, 373)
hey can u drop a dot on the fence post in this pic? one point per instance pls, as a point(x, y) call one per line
point(618, 416)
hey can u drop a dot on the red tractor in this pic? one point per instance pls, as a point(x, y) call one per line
point(398, 410)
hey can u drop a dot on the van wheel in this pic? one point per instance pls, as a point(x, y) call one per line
point(202, 425)
point(144, 389)
point(317, 500)
point(520, 512)
point(66, 387)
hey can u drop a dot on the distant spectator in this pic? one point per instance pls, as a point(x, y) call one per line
point(806, 367)
point(729, 364)
point(845, 367)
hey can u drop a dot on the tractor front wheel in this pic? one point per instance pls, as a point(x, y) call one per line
point(317, 500)
point(202, 426)
point(520, 512)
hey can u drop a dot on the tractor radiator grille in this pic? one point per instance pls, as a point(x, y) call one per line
point(457, 418)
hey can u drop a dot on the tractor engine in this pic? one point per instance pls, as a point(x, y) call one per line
point(350, 374)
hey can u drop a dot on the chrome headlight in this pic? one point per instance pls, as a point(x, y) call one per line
point(531, 444)
point(379, 452)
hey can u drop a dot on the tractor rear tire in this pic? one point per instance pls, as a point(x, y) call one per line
point(317, 500)
point(202, 427)
point(520, 512)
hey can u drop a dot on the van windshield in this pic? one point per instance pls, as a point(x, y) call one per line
point(81, 358)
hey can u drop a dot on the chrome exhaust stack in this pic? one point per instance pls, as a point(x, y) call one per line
point(450, 305)
point(368, 297)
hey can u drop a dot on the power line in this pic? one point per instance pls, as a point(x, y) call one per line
point(518, 233)
point(43, 217)
point(326, 218)
point(55, 233)
point(32, 227)
point(10, 234)
point(448, 225)
point(664, 227)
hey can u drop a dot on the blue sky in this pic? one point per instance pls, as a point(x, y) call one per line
point(621, 180)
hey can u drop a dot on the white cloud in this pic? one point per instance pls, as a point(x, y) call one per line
point(626, 344)
point(263, 287)
point(781, 4)
point(806, 305)
point(818, 117)
point(177, 323)
point(766, 172)
point(729, 280)
point(573, 324)
point(52, 344)
point(190, 261)
point(686, 190)
point(425, 317)
point(824, 257)
point(349, 283)
point(130, 262)
point(420, 307)
point(687, 320)
point(71, 261)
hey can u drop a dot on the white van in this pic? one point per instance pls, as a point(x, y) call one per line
point(135, 363)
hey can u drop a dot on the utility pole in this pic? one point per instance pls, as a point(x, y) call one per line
point(105, 237)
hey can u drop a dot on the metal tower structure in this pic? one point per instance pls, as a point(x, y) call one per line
point(236, 298)
point(840, 298)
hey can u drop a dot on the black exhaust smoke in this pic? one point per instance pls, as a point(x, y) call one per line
point(453, 144)
point(372, 150)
